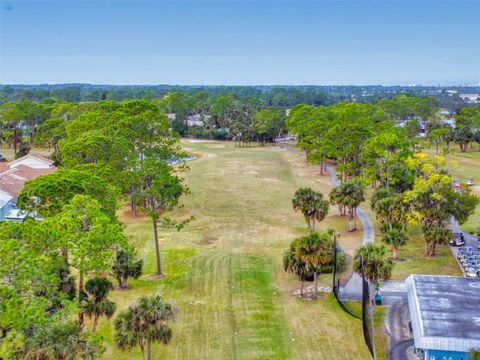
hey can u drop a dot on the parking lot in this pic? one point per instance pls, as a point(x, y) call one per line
point(469, 259)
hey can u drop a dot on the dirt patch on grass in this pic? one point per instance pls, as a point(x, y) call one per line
point(130, 214)
point(207, 240)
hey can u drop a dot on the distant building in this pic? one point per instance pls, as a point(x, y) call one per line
point(13, 176)
point(197, 120)
point(445, 316)
point(470, 98)
point(444, 112)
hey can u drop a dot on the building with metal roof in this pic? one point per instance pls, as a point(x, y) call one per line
point(445, 316)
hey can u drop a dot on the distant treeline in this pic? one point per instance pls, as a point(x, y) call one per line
point(262, 96)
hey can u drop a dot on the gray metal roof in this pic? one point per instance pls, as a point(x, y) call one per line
point(445, 312)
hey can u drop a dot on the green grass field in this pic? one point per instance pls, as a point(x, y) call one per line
point(224, 270)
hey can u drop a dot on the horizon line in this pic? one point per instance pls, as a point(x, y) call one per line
point(242, 85)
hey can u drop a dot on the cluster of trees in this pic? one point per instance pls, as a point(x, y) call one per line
point(244, 116)
point(282, 96)
point(26, 123)
point(63, 265)
point(369, 148)
point(309, 256)
point(265, 95)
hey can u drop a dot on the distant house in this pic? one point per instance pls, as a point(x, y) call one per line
point(197, 120)
point(13, 176)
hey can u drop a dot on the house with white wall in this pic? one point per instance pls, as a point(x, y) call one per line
point(13, 176)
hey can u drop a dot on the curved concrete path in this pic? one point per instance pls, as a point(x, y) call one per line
point(353, 288)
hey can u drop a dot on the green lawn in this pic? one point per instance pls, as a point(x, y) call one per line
point(412, 259)
point(380, 336)
point(224, 270)
point(9, 153)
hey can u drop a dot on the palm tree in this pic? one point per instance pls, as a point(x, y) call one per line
point(394, 234)
point(379, 194)
point(372, 260)
point(315, 250)
point(126, 266)
point(348, 195)
point(353, 195)
point(312, 205)
point(336, 198)
point(390, 208)
point(98, 305)
point(61, 341)
point(144, 322)
point(292, 264)
point(474, 354)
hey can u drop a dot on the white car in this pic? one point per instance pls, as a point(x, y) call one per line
point(470, 272)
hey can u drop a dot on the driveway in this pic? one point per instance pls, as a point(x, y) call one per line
point(400, 338)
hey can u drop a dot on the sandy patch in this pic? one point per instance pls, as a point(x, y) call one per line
point(199, 141)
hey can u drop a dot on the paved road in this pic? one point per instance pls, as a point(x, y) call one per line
point(397, 320)
point(353, 288)
point(400, 339)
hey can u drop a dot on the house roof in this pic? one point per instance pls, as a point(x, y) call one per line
point(445, 312)
point(10, 184)
point(27, 173)
point(16, 214)
point(38, 157)
point(4, 166)
point(5, 197)
point(14, 174)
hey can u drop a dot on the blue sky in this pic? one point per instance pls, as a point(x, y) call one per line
point(226, 42)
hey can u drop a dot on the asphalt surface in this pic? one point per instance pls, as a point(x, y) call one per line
point(400, 339)
point(353, 288)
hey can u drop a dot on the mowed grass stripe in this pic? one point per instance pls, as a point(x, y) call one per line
point(261, 327)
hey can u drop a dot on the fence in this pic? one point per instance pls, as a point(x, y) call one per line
point(353, 294)
point(368, 312)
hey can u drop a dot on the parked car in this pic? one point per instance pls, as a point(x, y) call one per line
point(471, 272)
point(458, 240)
